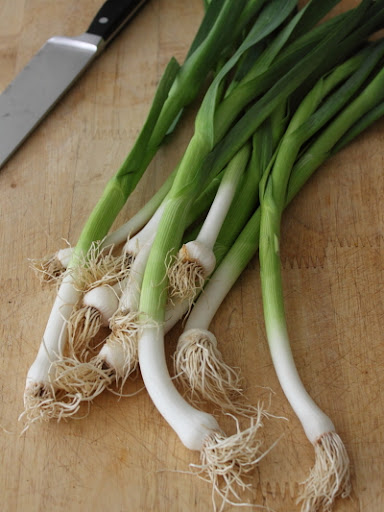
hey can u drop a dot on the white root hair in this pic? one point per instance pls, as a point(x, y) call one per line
point(100, 267)
point(120, 352)
point(199, 365)
point(72, 383)
point(186, 279)
point(83, 326)
point(227, 461)
point(42, 402)
point(189, 269)
point(48, 269)
point(86, 380)
point(329, 477)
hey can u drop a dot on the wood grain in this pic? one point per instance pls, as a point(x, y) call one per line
point(122, 456)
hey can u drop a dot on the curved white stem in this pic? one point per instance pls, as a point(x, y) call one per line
point(130, 298)
point(210, 300)
point(191, 425)
point(314, 421)
point(174, 313)
point(55, 335)
point(217, 212)
point(223, 199)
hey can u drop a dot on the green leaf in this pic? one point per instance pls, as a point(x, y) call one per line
point(213, 8)
point(269, 19)
point(133, 163)
point(272, 64)
point(362, 124)
point(363, 64)
point(367, 101)
point(314, 11)
point(278, 93)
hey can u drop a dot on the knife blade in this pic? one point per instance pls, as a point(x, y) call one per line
point(52, 71)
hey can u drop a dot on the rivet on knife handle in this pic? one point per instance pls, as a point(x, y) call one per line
point(112, 16)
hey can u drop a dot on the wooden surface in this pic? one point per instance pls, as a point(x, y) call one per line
point(122, 456)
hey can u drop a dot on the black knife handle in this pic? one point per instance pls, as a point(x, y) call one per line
point(112, 16)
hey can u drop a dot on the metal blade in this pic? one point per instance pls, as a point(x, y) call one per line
point(39, 86)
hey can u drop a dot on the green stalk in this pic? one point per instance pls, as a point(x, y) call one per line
point(273, 198)
point(249, 11)
point(198, 64)
point(315, 11)
point(101, 219)
point(364, 122)
point(330, 475)
point(305, 123)
point(278, 59)
point(178, 87)
point(318, 427)
point(242, 23)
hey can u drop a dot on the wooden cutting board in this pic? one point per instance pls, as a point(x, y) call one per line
point(122, 456)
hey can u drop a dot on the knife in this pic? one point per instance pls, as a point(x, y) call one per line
point(49, 74)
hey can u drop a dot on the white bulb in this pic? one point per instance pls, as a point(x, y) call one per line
point(201, 254)
point(105, 300)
